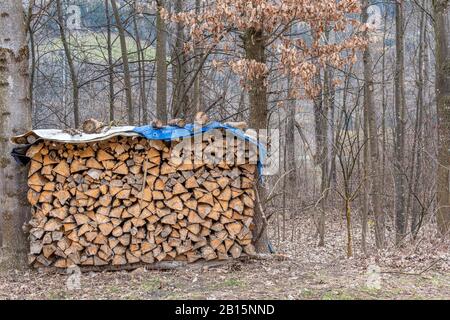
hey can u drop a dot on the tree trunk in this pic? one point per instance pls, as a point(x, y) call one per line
point(179, 101)
point(348, 219)
point(374, 169)
point(329, 100)
point(70, 63)
point(416, 163)
point(196, 99)
point(254, 47)
point(284, 172)
point(442, 31)
point(141, 70)
point(291, 163)
point(321, 159)
point(161, 67)
point(126, 67)
point(32, 63)
point(365, 173)
point(15, 118)
point(400, 119)
point(110, 63)
point(383, 106)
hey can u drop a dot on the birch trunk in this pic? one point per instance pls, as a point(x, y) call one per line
point(15, 118)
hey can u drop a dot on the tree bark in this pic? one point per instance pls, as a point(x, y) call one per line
point(374, 168)
point(321, 159)
point(110, 63)
point(348, 218)
point(70, 63)
point(161, 67)
point(179, 101)
point(15, 118)
point(196, 99)
point(365, 174)
point(254, 47)
point(400, 119)
point(416, 163)
point(141, 70)
point(383, 106)
point(291, 163)
point(126, 67)
point(33, 59)
point(442, 29)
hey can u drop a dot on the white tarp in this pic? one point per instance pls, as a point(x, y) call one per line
point(64, 136)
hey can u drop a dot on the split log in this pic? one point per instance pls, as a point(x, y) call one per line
point(201, 118)
point(158, 124)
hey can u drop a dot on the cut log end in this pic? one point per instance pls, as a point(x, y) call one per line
point(91, 126)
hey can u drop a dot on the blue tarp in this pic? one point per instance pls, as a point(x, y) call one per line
point(170, 133)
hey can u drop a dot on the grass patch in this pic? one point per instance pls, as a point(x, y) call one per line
point(227, 283)
point(151, 284)
point(114, 289)
point(307, 293)
point(370, 291)
point(232, 282)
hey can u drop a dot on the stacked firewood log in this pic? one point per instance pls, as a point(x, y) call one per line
point(130, 200)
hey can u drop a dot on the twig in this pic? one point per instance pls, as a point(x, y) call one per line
point(415, 273)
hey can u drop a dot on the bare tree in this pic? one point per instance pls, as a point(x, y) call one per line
point(400, 119)
point(416, 158)
point(161, 66)
point(179, 101)
point(141, 69)
point(442, 30)
point(321, 134)
point(126, 67)
point(110, 62)
point(70, 63)
point(348, 152)
point(369, 111)
point(291, 183)
point(196, 99)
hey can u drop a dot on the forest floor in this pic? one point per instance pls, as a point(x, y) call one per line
point(300, 270)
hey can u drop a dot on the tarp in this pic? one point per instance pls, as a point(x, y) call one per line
point(170, 133)
point(167, 133)
point(66, 137)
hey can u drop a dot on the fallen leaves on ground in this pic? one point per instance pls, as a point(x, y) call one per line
point(299, 270)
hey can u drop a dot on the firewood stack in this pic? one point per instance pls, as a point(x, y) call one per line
point(130, 200)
